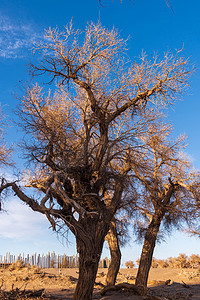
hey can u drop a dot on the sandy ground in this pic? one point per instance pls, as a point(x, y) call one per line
point(60, 284)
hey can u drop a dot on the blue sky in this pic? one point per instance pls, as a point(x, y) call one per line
point(151, 27)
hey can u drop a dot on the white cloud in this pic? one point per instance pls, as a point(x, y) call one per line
point(5, 172)
point(20, 222)
point(15, 39)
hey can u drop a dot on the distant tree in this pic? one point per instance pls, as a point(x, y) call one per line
point(129, 264)
point(172, 262)
point(181, 261)
point(194, 261)
point(80, 140)
point(163, 263)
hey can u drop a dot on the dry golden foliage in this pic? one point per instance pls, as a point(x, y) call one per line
point(129, 264)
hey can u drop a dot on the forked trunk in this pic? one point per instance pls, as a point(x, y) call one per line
point(115, 254)
point(147, 250)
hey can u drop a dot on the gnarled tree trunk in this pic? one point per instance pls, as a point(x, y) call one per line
point(115, 254)
point(89, 250)
point(148, 249)
point(88, 266)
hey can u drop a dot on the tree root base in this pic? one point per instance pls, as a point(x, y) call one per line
point(135, 289)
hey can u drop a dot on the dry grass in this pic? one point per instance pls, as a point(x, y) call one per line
point(20, 282)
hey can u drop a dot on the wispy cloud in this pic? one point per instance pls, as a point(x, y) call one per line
point(15, 38)
point(18, 221)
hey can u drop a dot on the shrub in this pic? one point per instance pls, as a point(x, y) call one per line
point(163, 263)
point(194, 261)
point(182, 261)
point(129, 264)
point(17, 265)
point(172, 262)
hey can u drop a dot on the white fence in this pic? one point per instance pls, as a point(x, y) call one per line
point(49, 260)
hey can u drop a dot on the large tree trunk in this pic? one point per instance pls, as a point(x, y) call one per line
point(115, 254)
point(89, 250)
point(148, 249)
point(88, 266)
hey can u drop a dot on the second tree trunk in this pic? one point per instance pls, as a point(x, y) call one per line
point(115, 254)
point(147, 250)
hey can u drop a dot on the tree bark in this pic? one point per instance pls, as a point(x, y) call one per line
point(89, 250)
point(88, 266)
point(148, 249)
point(115, 254)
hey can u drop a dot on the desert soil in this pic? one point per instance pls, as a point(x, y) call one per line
point(60, 283)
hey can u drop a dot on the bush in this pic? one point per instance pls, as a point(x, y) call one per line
point(194, 261)
point(17, 265)
point(182, 261)
point(172, 262)
point(163, 263)
point(129, 264)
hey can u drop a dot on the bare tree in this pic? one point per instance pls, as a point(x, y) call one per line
point(79, 139)
point(166, 186)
